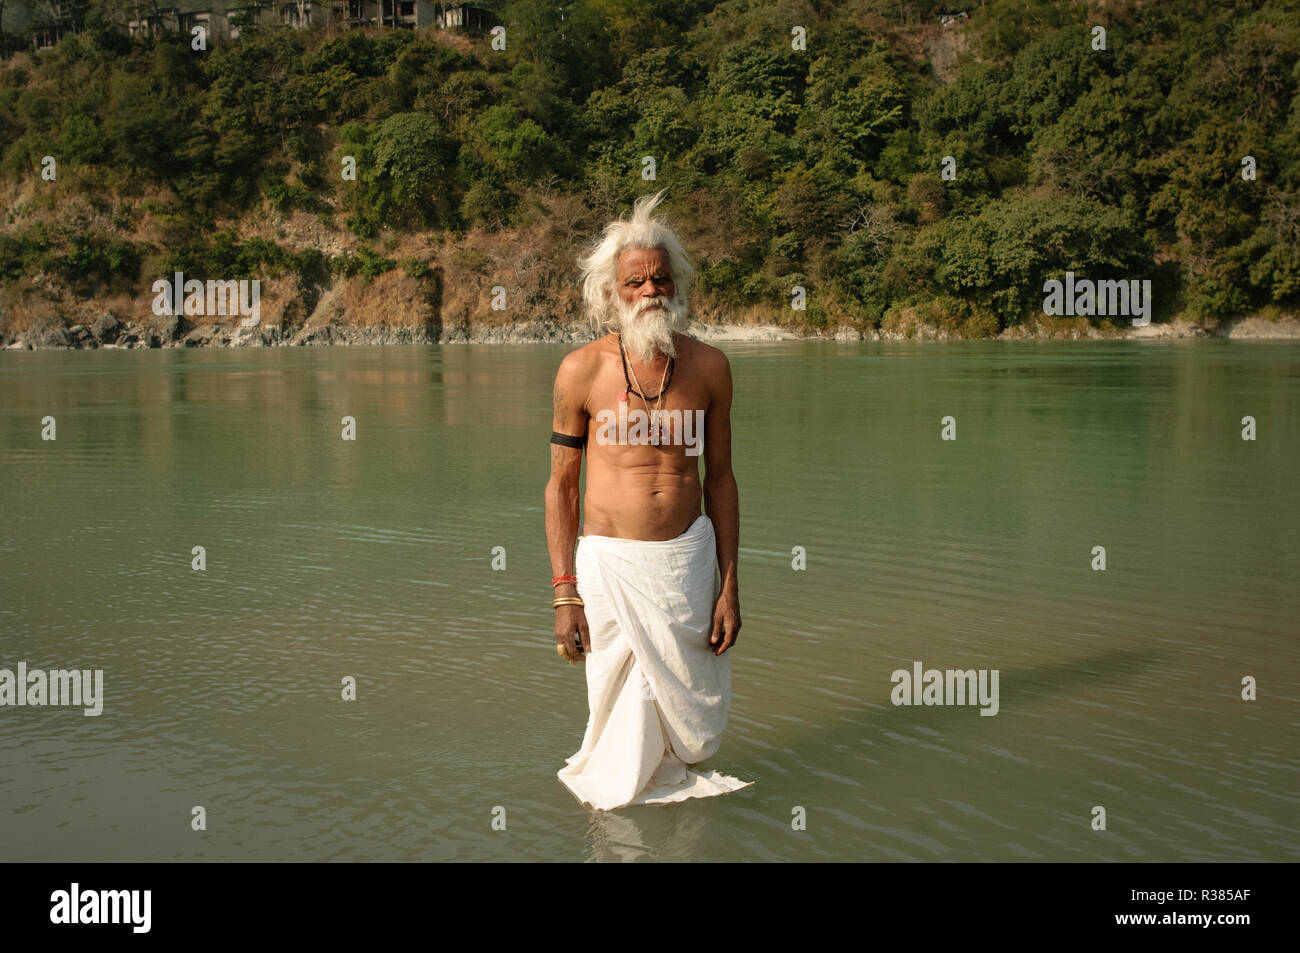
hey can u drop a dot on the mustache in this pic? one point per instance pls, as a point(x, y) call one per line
point(657, 316)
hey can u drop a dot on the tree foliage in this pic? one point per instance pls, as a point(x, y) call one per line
point(821, 166)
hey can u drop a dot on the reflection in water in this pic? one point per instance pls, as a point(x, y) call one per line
point(649, 832)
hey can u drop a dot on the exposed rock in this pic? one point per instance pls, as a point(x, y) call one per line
point(106, 328)
point(199, 337)
point(1175, 329)
point(454, 334)
point(332, 323)
point(335, 332)
point(259, 335)
point(57, 337)
point(1285, 326)
point(168, 327)
point(544, 330)
point(747, 332)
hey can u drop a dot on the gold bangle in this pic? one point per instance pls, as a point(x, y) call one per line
point(567, 601)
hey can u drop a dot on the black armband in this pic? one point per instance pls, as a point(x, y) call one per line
point(568, 440)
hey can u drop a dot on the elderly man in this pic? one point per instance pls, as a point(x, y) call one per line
point(650, 601)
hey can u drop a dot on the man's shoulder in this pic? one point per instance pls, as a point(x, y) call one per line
point(583, 361)
point(707, 356)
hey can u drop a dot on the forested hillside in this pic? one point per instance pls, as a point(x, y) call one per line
point(821, 167)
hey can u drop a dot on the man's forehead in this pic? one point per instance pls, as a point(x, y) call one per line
point(636, 258)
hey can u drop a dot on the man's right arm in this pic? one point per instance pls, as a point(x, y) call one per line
point(570, 417)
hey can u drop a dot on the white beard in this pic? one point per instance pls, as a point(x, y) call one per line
point(647, 330)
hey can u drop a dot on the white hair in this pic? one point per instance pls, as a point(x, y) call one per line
point(600, 264)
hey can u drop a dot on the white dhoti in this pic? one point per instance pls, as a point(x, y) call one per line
point(658, 696)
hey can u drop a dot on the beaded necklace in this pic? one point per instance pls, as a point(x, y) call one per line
point(664, 384)
point(656, 417)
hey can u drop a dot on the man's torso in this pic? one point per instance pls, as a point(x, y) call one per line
point(635, 489)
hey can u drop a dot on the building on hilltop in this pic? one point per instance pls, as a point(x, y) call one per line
point(462, 16)
point(352, 14)
point(409, 14)
point(39, 27)
point(40, 24)
point(180, 17)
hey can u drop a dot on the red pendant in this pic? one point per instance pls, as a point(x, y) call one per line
point(622, 398)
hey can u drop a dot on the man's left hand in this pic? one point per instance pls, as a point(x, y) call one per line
point(726, 622)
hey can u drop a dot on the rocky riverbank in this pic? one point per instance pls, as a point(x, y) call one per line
point(108, 331)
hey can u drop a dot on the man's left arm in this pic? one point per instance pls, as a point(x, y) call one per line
point(722, 506)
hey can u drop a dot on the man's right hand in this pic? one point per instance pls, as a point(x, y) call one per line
point(572, 633)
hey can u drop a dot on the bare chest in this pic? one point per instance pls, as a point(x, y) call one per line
point(673, 423)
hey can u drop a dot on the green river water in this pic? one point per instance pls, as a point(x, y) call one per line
point(373, 558)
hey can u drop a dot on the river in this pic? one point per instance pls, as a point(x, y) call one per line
point(373, 559)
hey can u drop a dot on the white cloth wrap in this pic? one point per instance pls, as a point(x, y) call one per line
point(658, 697)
